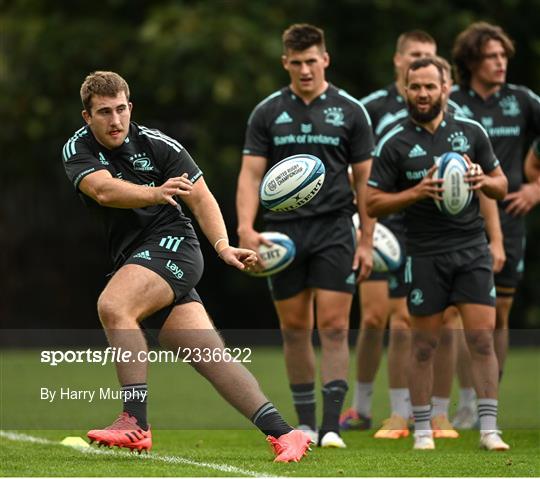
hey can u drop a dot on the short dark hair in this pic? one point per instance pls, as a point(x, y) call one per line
point(413, 36)
point(301, 36)
point(425, 62)
point(467, 50)
point(102, 83)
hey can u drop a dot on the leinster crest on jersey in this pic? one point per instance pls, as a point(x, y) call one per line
point(334, 116)
point(510, 106)
point(459, 142)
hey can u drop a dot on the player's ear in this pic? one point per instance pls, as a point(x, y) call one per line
point(86, 116)
point(130, 106)
point(326, 59)
point(284, 62)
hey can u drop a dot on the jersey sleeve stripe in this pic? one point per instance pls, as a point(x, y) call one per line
point(343, 93)
point(386, 137)
point(69, 148)
point(390, 118)
point(157, 135)
point(373, 96)
point(472, 122)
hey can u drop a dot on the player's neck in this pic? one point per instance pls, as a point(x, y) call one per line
point(484, 90)
point(308, 97)
point(432, 125)
point(400, 86)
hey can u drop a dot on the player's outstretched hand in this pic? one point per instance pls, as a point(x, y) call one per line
point(251, 239)
point(475, 175)
point(178, 186)
point(523, 200)
point(430, 187)
point(240, 258)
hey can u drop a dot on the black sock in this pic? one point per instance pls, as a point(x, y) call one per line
point(304, 403)
point(333, 398)
point(269, 421)
point(134, 397)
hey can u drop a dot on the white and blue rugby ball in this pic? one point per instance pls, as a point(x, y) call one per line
point(291, 183)
point(452, 168)
point(277, 257)
point(387, 253)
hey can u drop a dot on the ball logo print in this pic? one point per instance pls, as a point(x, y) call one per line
point(387, 255)
point(276, 257)
point(292, 182)
point(451, 168)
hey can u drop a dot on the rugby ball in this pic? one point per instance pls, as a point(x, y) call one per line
point(277, 257)
point(291, 183)
point(387, 254)
point(451, 168)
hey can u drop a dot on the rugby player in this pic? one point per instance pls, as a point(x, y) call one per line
point(135, 177)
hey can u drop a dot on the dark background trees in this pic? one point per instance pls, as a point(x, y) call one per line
point(196, 69)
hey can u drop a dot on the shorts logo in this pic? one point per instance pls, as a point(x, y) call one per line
point(350, 279)
point(171, 242)
point(493, 292)
point(143, 255)
point(334, 116)
point(417, 297)
point(392, 282)
point(510, 106)
point(459, 142)
point(174, 269)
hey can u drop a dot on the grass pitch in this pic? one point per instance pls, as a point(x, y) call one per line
point(208, 438)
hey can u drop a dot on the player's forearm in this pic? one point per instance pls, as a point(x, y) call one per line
point(116, 193)
point(490, 212)
point(208, 215)
point(495, 187)
point(532, 166)
point(380, 203)
point(367, 223)
point(247, 203)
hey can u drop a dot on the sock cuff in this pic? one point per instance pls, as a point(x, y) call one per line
point(266, 408)
point(337, 385)
point(487, 402)
point(302, 388)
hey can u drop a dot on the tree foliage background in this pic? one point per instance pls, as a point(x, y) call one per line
point(196, 69)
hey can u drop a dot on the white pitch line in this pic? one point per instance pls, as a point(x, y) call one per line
point(14, 436)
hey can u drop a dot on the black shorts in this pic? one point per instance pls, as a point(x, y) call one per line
point(397, 288)
point(512, 272)
point(325, 248)
point(177, 259)
point(438, 281)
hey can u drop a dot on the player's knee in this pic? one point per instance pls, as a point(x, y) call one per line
point(334, 336)
point(373, 320)
point(480, 342)
point(400, 321)
point(424, 349)
point(109, 311)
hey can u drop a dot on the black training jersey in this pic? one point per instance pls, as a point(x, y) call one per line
point(404, 156)
point(511, 117)
point(334, 127)
point(387, 108)
point(147, 157)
